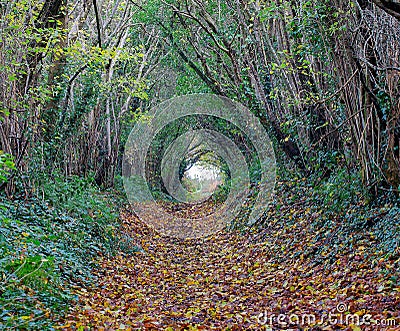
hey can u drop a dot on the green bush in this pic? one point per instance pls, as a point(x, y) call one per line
point(50, 242)
point(6, 165)
point(340, 191)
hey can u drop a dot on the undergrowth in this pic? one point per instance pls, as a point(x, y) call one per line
point(49, 244)
point(322, 219)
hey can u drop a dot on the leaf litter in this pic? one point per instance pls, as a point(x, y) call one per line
point(311, 269)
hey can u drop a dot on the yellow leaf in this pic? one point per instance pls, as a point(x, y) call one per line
point(310, 288)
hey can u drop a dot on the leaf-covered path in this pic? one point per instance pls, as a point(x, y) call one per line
point(241, 281)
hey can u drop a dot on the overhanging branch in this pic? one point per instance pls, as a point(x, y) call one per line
point(390, 7)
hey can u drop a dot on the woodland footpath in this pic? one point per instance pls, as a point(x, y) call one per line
point(320, 79)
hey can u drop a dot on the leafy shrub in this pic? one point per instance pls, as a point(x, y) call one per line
point(49, 243)
point(340, 191)
point(6, 165)
point(335, 186)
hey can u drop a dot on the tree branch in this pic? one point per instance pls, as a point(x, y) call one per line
point(96, 11)
point(390, 7)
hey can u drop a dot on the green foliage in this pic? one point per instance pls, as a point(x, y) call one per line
point(6, 165)
point(340, 191)
point(315, 199)
point(187, 82)
point(50, 242)
point(222, 192)
point(335, 186)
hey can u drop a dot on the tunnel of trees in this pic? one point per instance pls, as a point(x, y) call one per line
point(322, 77)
